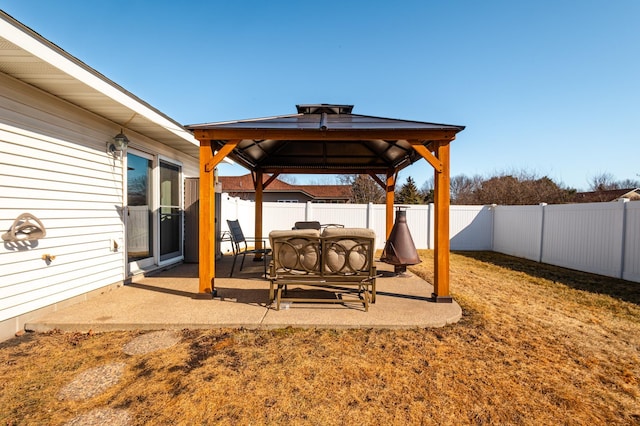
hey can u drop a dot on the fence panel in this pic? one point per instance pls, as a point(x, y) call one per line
point(281, 216)
point(470, 227)
point(418, 219)
point(631, 270)
point(518, 231)
point(590, 237)
point(349, 215)
point(586, 237)
point(378, 222)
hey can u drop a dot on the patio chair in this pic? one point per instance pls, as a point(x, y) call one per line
point(307, 225)
point(240, 246)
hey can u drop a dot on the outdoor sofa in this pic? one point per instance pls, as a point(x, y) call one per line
point(338, 259)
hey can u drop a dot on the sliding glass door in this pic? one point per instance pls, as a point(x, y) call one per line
point(139, 211)
point(170, 211)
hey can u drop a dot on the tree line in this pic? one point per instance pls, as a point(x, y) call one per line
point(521, 188)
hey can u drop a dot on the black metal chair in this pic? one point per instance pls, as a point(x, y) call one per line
point(307, 225)
point(240, 246)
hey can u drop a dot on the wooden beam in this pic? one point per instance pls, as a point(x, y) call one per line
point(335, 135)
point(442, 247)
point(379, 181)
point(270, 180)
point(390, 195)
point(427, 155)
point(326, 171)
point(220, 155)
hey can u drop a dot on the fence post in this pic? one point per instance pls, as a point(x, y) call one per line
point(370, 222)
point(493, 223)
point(430, 226)
point(623, 253)
point(542, 214)
point(307, 211)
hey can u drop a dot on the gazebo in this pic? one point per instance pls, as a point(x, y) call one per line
point(325, 139)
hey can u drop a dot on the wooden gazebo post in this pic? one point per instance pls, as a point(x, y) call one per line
point(206, 256)
point(440, 163)
point(442, 246)
point(390, 196)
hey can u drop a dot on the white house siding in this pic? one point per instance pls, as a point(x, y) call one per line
point(53, 165)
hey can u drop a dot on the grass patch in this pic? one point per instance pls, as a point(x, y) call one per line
point(536, 345)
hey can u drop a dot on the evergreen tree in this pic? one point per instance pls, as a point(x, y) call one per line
point(409, 193)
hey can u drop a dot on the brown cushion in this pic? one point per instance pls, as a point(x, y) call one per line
point(345, 253)
point(354, 232)
point(296, 250)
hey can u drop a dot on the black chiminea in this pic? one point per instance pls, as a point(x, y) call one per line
point(399, 249)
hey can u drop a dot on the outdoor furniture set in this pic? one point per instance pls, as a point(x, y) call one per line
point(337, 259)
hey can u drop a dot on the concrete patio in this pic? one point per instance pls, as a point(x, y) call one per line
point(168, 300)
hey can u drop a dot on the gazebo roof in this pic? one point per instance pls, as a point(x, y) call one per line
point(324, 138)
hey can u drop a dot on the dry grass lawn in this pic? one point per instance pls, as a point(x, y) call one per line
point(537, 345)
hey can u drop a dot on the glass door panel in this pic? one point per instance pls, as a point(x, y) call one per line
point(140, 212)
point(170, 212)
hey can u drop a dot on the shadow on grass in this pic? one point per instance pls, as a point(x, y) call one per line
point(620, 289)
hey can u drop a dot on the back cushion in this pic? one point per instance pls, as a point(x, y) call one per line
point(348, 250)
point(296, 250)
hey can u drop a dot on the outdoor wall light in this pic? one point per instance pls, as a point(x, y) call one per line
point(118, 144)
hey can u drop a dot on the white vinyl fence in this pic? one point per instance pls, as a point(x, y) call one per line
point(601, 238)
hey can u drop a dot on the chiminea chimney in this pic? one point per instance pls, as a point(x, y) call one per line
point(399, 249)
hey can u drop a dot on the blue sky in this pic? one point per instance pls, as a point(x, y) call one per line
point(548, 87)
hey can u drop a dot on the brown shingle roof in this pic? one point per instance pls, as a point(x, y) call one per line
point(606, 195)
point(244, 183)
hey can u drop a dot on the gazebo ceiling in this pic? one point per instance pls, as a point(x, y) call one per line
point(323, 138)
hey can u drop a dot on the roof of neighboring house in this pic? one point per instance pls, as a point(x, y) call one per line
point(27, 56)
point(607, 195)
point(244, 183)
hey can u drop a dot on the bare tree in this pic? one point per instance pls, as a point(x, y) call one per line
point(363, 189)
point(629, 183)
point(463, 189)
point(603, 182)
point(427, 190)
point(511, 189)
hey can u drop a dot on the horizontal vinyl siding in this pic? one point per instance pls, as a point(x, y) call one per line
point(53, 165)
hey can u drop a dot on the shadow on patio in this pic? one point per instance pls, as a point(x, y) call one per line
point(169, 300)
